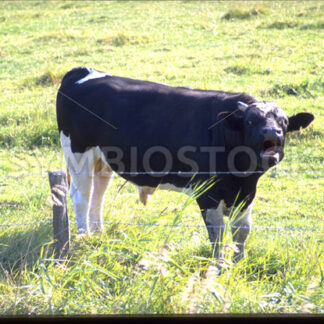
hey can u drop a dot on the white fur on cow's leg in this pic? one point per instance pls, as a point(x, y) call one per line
point(80, 191)
point(101, 180)
point(241, 227)
point(80, 166)
point(214, 221)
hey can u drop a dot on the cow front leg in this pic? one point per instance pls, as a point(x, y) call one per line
point(214, 221)
point(241, 227)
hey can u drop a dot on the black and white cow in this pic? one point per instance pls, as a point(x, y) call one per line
point(155, 135)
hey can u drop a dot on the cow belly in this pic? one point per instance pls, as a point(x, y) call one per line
point(146, 192)
point(89, 184)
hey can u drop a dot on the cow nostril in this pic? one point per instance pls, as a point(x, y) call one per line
point(271, 132)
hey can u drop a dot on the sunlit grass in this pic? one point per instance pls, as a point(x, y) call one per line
point(271, 50)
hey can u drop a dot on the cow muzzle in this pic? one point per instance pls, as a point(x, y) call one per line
point(271, 149)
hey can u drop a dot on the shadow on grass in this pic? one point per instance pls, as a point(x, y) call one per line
point(304, 89)
point(49, 78)
point(238, 13)
point(281, 25)
point(257, 269)
point(241, 69)
point(308, 133)
point(121, 39)
point(21, 246)
point(42, 134)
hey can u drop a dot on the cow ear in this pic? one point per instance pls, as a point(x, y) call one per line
point(231, 120)
point(301, 120)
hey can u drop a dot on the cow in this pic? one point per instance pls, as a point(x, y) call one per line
point(176, 138)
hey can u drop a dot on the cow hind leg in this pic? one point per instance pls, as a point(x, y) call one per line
point(101, 180)
point(80, 191)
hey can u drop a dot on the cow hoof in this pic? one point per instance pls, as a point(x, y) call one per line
point(213, 271)
point(218, 267)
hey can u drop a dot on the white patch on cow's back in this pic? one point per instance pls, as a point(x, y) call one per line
point(93, 74)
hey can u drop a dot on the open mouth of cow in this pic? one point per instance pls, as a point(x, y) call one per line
point(270, 150)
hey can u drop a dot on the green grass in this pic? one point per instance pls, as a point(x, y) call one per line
point(272, 50)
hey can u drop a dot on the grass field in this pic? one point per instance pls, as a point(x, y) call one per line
point(272, 50)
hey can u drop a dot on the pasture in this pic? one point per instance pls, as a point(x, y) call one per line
point(155, 259)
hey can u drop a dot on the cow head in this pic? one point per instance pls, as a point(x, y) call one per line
point(264, 127)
